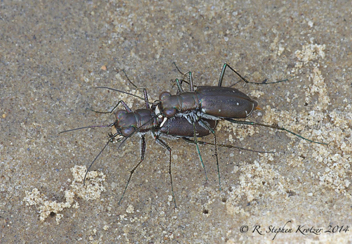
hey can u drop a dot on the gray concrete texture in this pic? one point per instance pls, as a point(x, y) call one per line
point(53, 55)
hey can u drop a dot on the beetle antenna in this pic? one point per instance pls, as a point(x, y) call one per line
point(87, 127)
point(113, 89)
point(96, 157)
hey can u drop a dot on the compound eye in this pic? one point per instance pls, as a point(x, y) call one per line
point(170, 112)
point(164, 95)
point(120, 114)
point(127, 131)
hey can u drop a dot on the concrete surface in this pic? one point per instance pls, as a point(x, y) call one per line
point(53, 54)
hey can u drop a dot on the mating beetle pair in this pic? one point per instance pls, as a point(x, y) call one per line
point(186, 114)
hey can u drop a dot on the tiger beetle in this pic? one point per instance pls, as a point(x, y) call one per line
point(142, 121)
point(211, 103)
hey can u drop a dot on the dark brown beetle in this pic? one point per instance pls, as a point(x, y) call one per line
point(142, 121)
point(210, 102)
